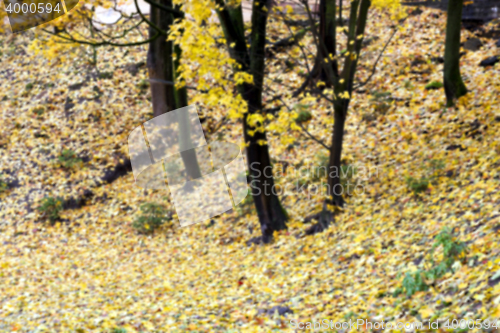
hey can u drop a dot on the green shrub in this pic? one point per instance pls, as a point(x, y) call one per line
point(380, 95)
point(380, 102)
point(118, 330)
point(303, 116)
point(50, 208)
point(29, 86)
point(436, 272)
point(152, 216)
point(434, 85)
point(417, 185)
point(106, 75)
point(3, 185)
point(68, 159)
point(432, 173)
point(453, 250)
point(303, 113)
point(413, 283)
point(39, 110)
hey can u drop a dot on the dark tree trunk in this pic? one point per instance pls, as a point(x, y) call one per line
point(181, 100)
point(160, 62)
point(335, 190)
point(343, 84)
point(328, 40)
point(272, 216)
point(454, 87)
point(163, 72)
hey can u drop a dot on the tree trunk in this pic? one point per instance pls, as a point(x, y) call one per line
point(357, 23)
point(164, 96)
point(181, 100)
point(272, 216)
point(160, 62)
point(328, 41)
point(335, 189)
point(454, 87)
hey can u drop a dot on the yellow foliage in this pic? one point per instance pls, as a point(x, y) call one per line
point(394, 7)
point(92, 273)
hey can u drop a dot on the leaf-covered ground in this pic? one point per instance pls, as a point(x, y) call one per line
point(93, 272)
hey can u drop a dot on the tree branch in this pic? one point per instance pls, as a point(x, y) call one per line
point(104, 43)
point(151, 24)
point(288, 41)
point(173, 11)
point(313, 137)
point(374, 68)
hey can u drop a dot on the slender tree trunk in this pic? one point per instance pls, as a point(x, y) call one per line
point(343, 85)
point(181, 100)
point(454, 87)
point(181, 96)
point(328, 40)
point(272, 216)
point(160, 62)
point(341, 20)
point(335, 190)
point(165, 97)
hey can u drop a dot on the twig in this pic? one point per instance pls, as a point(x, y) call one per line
point(374, 68)
point(313, 137)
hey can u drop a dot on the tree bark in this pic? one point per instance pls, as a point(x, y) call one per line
point(343, 84)
point(160, 62)
point(181, 100)
point(454, 87)
point(327, 40)
point(272, 216)
point(166, 97)
point(334, 187)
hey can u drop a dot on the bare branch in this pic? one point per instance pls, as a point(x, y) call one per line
point(300, 125)
point(374, 68)
point(154, 26)
point(313, 137)
point(321, 49)
point(104, 43)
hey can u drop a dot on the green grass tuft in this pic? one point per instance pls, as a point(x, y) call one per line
point(51, 208)
point(434, 85)
point(152, 217)
point(68, 159)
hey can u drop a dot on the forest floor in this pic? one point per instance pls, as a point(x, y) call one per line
point(92, 272)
